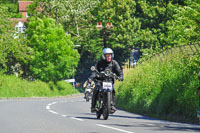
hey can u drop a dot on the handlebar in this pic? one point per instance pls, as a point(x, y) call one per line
point(105, 73)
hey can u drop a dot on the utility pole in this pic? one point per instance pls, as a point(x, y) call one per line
point(104, 31)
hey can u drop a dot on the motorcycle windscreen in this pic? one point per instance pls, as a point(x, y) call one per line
point(107, 85)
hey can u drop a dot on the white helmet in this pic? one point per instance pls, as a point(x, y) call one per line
point(107, 51)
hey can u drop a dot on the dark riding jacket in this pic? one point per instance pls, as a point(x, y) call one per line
point(104, 65)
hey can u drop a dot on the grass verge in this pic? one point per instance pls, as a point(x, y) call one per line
point(11, 86)
point(164, 87)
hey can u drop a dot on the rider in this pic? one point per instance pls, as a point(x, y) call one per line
point(92, 84)
point(107, 62)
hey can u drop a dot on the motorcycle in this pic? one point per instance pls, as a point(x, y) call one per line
point(104, 98)
point(88, 92)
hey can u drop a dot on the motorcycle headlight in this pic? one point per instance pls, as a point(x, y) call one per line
point(107, 72)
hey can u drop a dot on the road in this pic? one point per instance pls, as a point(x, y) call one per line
point(72, 115)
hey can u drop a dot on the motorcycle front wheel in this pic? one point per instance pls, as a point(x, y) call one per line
point(106, 107)
point(99, 107)
point(87, 96)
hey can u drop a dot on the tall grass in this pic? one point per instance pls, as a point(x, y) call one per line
point(11, 86)
point(163, 86)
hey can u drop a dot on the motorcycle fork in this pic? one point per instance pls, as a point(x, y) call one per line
point(105, 95)
point(99, 101)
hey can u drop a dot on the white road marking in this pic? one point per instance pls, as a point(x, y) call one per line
point(121, 130)
point(48, 108)
point(76, 119)
point(53, 112)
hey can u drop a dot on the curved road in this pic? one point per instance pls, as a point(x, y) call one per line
point(72, 115)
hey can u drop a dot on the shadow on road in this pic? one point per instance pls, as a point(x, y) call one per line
point(161, 126)
point(89, 116)
point(155, 125)
point(180, 128)
point(134, 117)
point(119, 116)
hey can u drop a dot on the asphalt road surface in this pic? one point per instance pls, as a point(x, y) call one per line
point(72, 115)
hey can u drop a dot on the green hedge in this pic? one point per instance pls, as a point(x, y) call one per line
point(163, 86)
point(11, 86)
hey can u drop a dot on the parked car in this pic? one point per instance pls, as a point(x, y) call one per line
point(72, 81)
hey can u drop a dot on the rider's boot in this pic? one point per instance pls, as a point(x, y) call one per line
point(113, 108)
point(93, 109)
point(94, 100)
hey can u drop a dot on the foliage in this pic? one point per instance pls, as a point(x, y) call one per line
point(148, 25)
point(63, 87)
point(12, 50)
point(12, 7)
point(34, 9)
point(184, 26)
point(8, 1)
point(72, 14)
point(10, 86)
point(77, 20)
point(54, 57)
point(164, 86)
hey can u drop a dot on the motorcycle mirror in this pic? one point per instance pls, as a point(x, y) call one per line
point(92, 68)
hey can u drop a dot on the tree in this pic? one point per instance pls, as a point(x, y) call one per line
point(77, 20)
point(184, 27)
point(54, 57)
point(71, 13)
point(12, 7)
point(171, 22)
point(123, 36)
point(12, 50)
point(148, 25)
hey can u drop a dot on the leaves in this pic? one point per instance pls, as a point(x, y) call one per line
point(12, 50)
point(184, 27)
point(54, 55)
point(148, 25)
point(165, 86)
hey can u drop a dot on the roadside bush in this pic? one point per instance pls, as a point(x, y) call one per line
point(11, 86)
point(65, 88)
point(165, 86)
